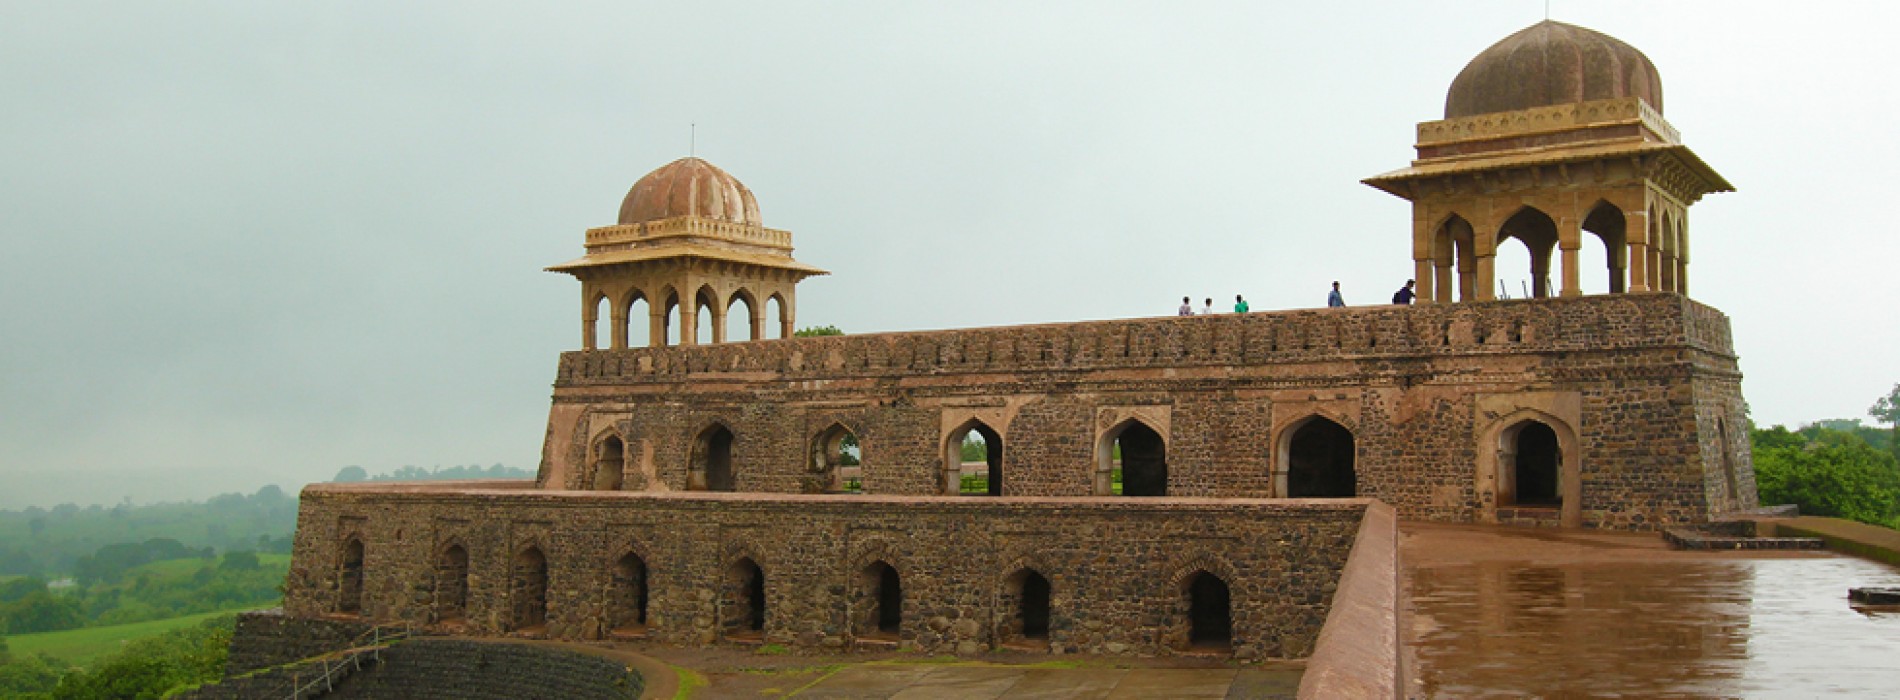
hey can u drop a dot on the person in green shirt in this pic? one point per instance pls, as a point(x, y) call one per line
point(1240, 305)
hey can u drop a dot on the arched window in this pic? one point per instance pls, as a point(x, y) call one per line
point(1526, 271)
point(530, 590)
point(777, 305)
point(1530, 464)
point(609, 464)
point(1135, 460)
point(627, 596)
point(1026, 596)
point(349, 574)
point(1319, 455)
point(1210, 614)
point(639, 330)
point(742, 320)
point(709, 317)
point(598, 309)
point(973, 461)
point(836, 464)
point(742, 605)
point(1453, 251)
point(451, 584)
point(670, 318)
point(711, 468)
point(1611, 230)
point(879, 610)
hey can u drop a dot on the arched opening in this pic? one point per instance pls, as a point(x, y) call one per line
point(709, 317)
point(1210, 613)
point(1134, 459)
point(1607, 223)
point(349, 575)
point(741, 321)
point(670, 320)
point(836, 464)
point(742, 605)
point(973, 461)
point(610, 457)
point(597, 309)
point(451, 584)
point(880, 609)
point(1530, 468)
point(1320, 456)
point(1538, 233)
point(784, 323)
point(639, 330)
point(530, 588)
point(627, 596)
point(1026, 597)
point(1453, 251)
point(711, 468)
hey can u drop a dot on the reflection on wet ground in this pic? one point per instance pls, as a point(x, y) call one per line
point(1649, 624)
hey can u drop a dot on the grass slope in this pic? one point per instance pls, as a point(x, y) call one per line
point(82, 646)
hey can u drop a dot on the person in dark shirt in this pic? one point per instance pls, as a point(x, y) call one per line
point(1405, 295)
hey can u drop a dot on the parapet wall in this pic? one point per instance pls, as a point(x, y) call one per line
point(1360, 653)
point(1642, 391)
point(1119, 572)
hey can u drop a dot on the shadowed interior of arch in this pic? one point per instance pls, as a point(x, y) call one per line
point(349, 597)
point(711, 468)
point(1535, 463)
point(609, 464)
point(530, 590)
point(1210, 615)
point(743, 602)
point(881, 602)
point(1139, 461)
point(451, 584)
point(627, 595)
point(976, 460)
point(1320, 461)
point(836, 465)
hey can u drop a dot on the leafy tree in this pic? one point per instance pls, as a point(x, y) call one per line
point(152, 667)
point(41, 611)
point(5, 656)
point(1828, 472)
point(816, 331)
point(1887, 410)
point(31, 676)
point(351, 473)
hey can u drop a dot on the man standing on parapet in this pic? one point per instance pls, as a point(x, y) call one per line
point(1335, 299)
point(1404, 296)
point(1240, 305)
point(1187, 308)
point(1208, 308)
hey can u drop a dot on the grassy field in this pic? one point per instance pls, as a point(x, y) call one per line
point(81, 646)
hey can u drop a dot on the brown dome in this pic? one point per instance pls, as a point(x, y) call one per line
point(1552, 63)
point(689, 187)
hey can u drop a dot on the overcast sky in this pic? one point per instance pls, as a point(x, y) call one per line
point(252, 243)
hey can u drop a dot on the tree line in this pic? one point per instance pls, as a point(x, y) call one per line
point(1836, 468)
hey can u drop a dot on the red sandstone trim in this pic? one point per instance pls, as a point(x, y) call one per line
point(1358, 654)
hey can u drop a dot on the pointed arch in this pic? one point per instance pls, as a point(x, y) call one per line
point(742, 601)
point(1025, 608)
point(595, 301)
point(635, 327)
point(349, 574)
point(877, 605)
point(1530, 468)
point(1453, 250)
point(984, 444)
point(709, 316)
point(1316, 457)
point(781, 314)
point(1611, 228)
point(528, 588)
point(754, 322)
point(672, 318)
point(1134, 455)
point(1537, 231)
point(626, 607)
point(451, 582)
point(835, 461)
point(610, 461)
point(710, 466)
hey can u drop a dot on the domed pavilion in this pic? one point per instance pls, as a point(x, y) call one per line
point(1553, 132)
point(689, 237)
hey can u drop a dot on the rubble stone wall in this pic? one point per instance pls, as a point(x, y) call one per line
point(1119, 570)
point(1636, 383)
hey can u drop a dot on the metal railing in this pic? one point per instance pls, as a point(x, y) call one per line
point(336, 665)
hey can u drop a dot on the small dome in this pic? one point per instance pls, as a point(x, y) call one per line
point(1552, 63)
point(689, 187)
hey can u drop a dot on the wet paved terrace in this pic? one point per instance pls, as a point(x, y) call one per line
point(1520, 612)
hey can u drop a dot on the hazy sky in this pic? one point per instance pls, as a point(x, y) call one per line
point(251, 243)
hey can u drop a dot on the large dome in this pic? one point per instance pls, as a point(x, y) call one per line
point(1552, 63)
point(689, 187)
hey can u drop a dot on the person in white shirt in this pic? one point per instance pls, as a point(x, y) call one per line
point(1208, 310)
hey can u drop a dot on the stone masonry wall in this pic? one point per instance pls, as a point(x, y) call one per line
point(1637, 384)
point(1119, 569)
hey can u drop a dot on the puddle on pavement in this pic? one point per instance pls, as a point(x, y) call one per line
point(1727, 627)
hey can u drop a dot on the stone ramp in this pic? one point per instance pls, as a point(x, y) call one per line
point(1859, 539)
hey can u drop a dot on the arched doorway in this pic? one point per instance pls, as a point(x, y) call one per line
point(609, 464)
point(349, 574)
point(973, 461)
point(1319, 455)
point(627, 596)
point(451, 584)
point(1210, 613)
point(837, 464)
point(1134, 459)
point(1026, 597)
point(530, 588)
point(1531, 468)
point(880, 609)
point(742, 605)
point(711, 468)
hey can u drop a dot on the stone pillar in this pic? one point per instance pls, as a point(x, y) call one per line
point(1424, 273)
point(1653, 269)
point(719, 326)
point(1540, 273)
point(1485, 286)
point(656, 326)
point(1569, 241)
point(617, 328)
point(689, 320)
point(1639, 266)
point(587, 333)
point(758, 321)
